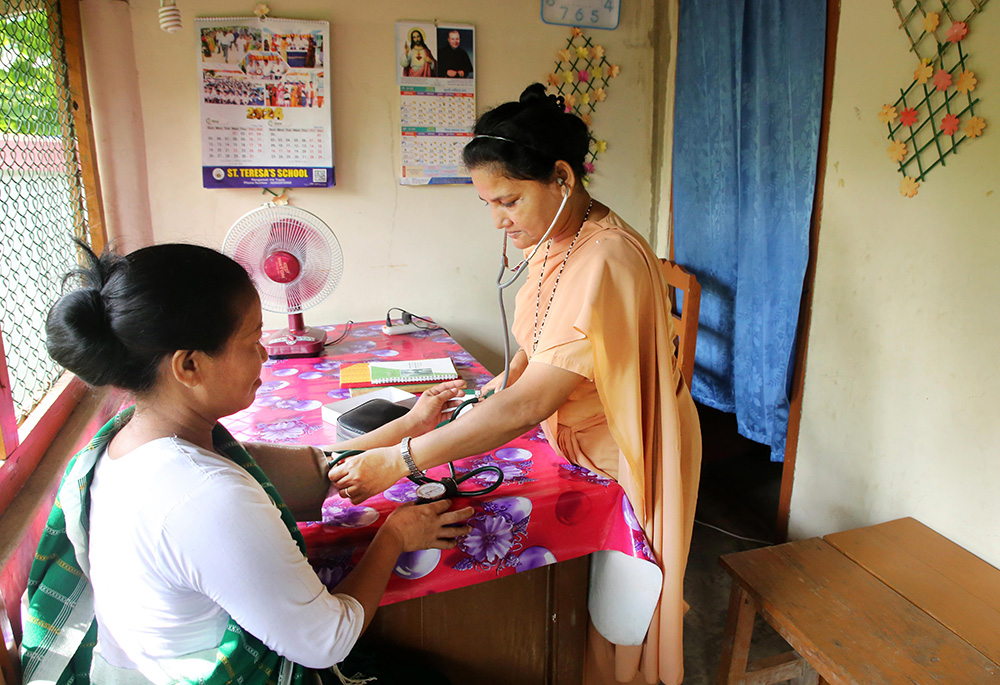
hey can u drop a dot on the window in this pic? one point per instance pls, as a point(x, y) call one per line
point(43, 203)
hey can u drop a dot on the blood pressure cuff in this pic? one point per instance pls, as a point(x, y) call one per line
point(367, 417)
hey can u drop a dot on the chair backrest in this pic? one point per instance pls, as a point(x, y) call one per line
point(686, 322)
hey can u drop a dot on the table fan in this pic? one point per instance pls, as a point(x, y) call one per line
point(295, 262)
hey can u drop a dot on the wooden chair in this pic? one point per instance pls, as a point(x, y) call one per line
point(685, 322)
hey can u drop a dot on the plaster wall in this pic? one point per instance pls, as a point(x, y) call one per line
point(900, 404)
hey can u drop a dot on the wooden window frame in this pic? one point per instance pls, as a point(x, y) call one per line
point(24, 445)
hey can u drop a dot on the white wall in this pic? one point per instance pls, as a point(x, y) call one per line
point(901, 411)
point(432, 251)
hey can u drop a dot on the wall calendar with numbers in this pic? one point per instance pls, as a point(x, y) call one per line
point(435, 71)
point(265, 103)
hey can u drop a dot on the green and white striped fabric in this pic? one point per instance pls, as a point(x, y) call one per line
point(60, 630)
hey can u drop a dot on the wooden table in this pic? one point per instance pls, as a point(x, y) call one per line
point(891, 603)
point(528, 623)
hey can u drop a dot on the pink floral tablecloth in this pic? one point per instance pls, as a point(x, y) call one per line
point(546, 510)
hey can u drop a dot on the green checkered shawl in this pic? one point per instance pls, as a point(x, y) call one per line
point(60, 630)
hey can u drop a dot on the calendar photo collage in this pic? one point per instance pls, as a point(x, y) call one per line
point(265, 102)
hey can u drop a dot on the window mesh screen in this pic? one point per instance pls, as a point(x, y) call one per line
point(41, 197)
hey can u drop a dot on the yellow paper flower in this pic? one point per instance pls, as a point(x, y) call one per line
point(585, 99)
point(568, 76)
point(563, 55)
point(553, 80)
point(597, 51)
point(570, 100)
point(923, 73)
point(586, 119)
point(975, 127)
point(931, 22)
point(966, 82)
point(600, 146)
point(582, 52)
point(600, 95)
point(261, 10)
point(613, 70)
point(576, 32)
point(887, 114)
point(596, 72)
point(896, 150)
point(908, 187)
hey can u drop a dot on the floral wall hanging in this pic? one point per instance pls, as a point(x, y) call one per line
point(936, 113)
point(582, 73)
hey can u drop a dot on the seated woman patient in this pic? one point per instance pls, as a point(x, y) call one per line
point(596, 364)
point(171, 547)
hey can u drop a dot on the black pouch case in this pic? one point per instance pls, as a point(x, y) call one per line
point(367, 417)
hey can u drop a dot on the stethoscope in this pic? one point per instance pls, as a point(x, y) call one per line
point(515, 273)
point(430, 489)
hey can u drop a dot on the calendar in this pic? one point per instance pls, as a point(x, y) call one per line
point(437, 93)
point(265, 103)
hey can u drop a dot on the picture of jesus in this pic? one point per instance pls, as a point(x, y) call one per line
point(417, 60)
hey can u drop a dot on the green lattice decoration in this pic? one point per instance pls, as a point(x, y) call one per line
point(582, 74)
point(936, 113)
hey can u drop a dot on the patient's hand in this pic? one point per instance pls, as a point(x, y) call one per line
point(367, 474)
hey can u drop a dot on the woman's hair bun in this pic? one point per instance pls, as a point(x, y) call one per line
point(535, 95)
point(79, 336)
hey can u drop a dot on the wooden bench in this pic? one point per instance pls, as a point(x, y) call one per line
point(891, 603)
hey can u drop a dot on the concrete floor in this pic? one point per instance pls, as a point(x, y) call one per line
point(739, 493)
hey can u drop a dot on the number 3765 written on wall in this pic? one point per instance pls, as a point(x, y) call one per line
point(595, 14)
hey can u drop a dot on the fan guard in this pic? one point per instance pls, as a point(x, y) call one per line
point(292, 256)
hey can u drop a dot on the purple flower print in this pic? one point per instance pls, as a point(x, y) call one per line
point(349, 517)
point(267, 400)
point(339, 393)
point(327, 365)
point(285, 372)
point(574, 472)
point(282, 431)
point(385, 353)
point(413, 565)
point(403, 491)
point(358, 347)
point(272, 387)
point(311, 375)
point(293, 404)
point(489, 540)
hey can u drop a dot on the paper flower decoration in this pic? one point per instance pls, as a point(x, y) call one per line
point(949, 124)
point(586, 119)
point(570, 100)
point(261, 10)
point(942, 79)
point(553, 79)
point(931, 22)
point(957, 31)
point(563, 55)
point(613, 70)
point(585, 99)
point(600, 95)
point(584, 75)
point(908, 187)
point(582, 52)
point(576, 32)
point(923, 73)
point(600, 146)
point(596, 72)
point(966, 82)
point(908, 117)
point(896, 150)
point(975, 127)
point(588, 167)
point(597, 52)
point(887, 114)
point(568, 76)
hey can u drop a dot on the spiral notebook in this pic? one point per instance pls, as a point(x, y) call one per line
point(397, 373)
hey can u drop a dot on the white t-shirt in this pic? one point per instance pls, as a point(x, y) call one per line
point(180, 540)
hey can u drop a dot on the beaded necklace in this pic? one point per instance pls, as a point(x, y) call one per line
point(537, 330)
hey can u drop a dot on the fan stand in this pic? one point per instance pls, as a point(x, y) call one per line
point(298, 340)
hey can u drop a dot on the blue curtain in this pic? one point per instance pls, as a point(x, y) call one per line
point(746, 132)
